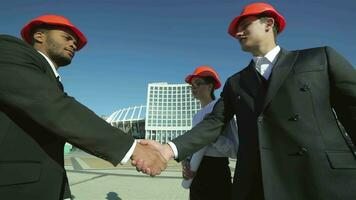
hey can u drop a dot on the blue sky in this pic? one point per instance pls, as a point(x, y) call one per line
point(135, 42)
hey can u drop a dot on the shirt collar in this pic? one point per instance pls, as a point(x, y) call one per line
point(52, 65)
point(270, 56)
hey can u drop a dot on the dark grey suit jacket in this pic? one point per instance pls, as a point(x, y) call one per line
point(302, 153)
point(36, 119)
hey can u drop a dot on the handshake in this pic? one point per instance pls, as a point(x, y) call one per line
point(151, 157)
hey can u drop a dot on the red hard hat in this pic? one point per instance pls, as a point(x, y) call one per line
point(204, 71)
point(256, 9)
point(52, 20)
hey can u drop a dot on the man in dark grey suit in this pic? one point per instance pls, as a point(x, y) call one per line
point(287, 105)
point(37, 117)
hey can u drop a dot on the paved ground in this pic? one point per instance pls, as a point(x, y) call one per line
point(92, 178)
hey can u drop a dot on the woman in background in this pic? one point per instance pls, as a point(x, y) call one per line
point(206, 173)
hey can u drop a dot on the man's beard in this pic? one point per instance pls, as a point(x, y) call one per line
point(60, 60)
point(55, 54)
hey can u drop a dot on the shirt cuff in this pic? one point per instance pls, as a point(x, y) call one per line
point(174, 148)
point(129, 154)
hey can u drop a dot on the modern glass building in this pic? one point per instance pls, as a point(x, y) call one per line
point(170, 109)
point(131, 120)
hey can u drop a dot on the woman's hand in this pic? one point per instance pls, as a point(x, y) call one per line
point(186, 172)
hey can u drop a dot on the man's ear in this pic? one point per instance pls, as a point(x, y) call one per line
point(39, 37)
point(270, 23)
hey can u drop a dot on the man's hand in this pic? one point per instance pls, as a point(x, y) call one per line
point(164, 150)
point(148, 159)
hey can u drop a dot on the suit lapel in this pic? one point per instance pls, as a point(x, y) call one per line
point(246, 85)
point(249, 80)
point(49, 70)
point(281, 69)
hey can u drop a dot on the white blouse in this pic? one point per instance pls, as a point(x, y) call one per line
point(225, 146)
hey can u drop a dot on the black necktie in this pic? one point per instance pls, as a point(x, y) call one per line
point(262, 91)
point(263, 81)
point(60, 85)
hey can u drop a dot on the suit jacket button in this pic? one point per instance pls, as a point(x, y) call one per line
point(302, 151)
point(294, 118)
point(305, 88)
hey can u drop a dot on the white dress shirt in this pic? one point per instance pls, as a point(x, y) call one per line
point(265, 64)
point(52, 65)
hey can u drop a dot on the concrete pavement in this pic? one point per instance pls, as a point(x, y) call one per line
point(91, 178)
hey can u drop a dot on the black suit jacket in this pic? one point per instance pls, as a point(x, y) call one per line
point(36, 119)
point(294, 143)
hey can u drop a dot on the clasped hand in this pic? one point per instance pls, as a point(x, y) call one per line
point(151, 157)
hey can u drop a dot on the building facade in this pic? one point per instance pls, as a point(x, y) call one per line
point(170, 109)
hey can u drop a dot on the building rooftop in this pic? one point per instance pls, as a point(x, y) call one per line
point(134, 113)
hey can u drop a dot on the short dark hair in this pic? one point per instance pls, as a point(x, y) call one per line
point(264, 16)
point(210, 80)
point(39, 28)
point(44, 28)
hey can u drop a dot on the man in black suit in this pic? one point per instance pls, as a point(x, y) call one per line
point(37, 117)
point(287, 105)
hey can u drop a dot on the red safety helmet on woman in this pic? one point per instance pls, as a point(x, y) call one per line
point(204, 71)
